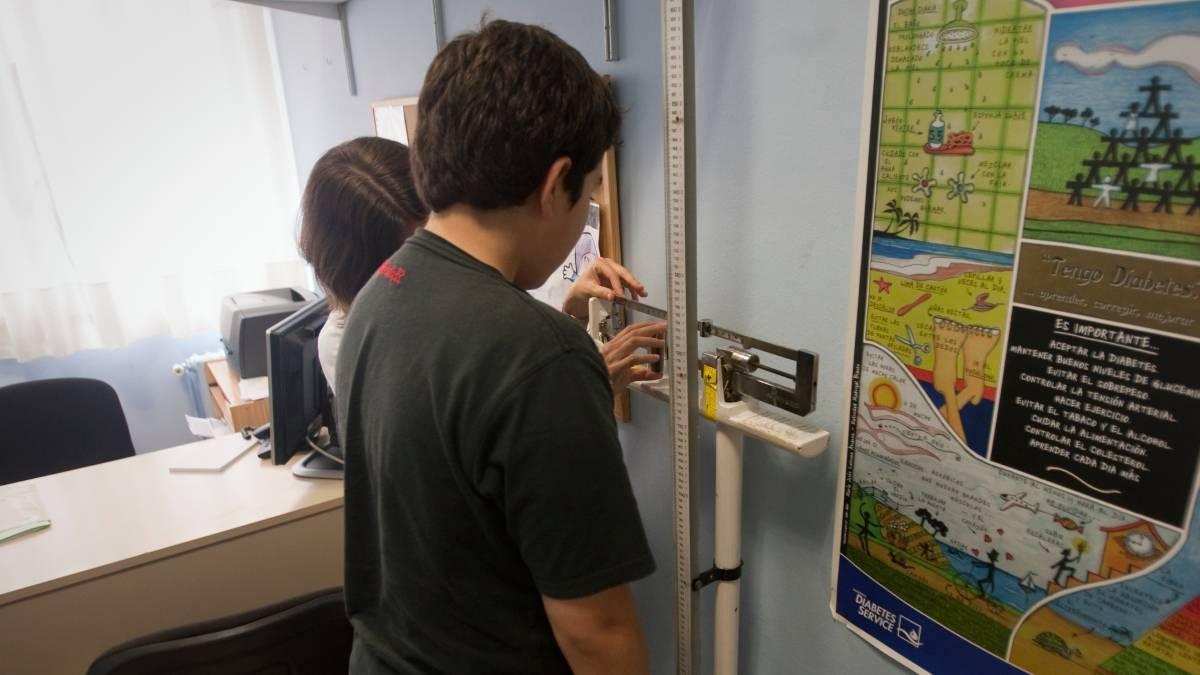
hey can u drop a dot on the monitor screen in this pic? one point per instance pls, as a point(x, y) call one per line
point(299, 395)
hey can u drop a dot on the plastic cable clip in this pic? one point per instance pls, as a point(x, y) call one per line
point(717, 574)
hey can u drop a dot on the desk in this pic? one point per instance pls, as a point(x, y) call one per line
point(133, 549)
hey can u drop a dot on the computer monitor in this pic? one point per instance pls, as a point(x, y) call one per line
point(299, 396)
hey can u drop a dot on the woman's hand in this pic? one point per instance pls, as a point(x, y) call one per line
point(606, 280)
point(624, 357)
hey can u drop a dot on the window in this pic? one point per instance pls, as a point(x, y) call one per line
point(146, 170)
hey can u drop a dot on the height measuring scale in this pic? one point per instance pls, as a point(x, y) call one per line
point(680, 183)
point(735, 395)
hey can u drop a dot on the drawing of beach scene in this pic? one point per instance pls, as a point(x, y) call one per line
point(940, 309)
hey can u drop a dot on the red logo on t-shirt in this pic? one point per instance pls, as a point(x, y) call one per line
point(393, 273)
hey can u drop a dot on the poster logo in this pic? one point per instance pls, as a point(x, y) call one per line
point(874, 612)
point(909, 631)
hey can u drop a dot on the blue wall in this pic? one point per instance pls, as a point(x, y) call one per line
point(779, 96)
point(153, 397)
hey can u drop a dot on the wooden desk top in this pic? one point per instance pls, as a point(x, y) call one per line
point(117, 515)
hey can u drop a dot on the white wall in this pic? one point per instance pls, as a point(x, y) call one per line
point(779, 94)
point(392, 44)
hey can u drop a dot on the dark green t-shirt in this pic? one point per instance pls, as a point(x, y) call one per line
point(483, 469)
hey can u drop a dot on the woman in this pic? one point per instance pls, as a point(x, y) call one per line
point(358, 208)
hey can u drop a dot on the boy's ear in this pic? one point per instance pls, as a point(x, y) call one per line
point(553, 182)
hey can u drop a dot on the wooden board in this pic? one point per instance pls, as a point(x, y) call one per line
point(610, 242)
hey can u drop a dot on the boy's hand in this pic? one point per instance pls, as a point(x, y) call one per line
point(624, 360)
point(606, 280)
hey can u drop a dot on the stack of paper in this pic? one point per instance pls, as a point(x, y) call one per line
point(254, 388)
point(20, 511)
point(207, 427)
point(212, 456)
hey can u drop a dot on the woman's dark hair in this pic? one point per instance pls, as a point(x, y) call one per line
point(359, 206)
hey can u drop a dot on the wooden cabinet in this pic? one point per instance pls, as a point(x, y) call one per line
point(223, 386)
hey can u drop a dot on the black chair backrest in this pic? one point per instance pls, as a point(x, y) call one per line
point(48, 426)
point(309, 635)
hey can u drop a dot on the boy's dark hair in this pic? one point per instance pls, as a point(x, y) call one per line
point(498, 107)
point(358, 208)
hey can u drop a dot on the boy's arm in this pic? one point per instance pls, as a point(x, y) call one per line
point(599, 633)
point(558, 474)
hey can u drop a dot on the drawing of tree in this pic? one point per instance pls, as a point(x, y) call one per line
point(1094, 122)
point(912, 221)
point(893, 209)
point(1069, 114)
point(939, 528)
point(924, 515)
point(1085, 116)
point(1052, 111)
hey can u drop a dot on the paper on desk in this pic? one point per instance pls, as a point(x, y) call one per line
point(212, 456)
point(253, 389)
point(20, 511)
point(207, 427)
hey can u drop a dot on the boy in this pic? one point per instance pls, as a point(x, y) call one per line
point(490, 523)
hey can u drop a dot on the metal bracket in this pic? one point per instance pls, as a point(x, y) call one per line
point(439, 30)
point(715, 574)
point(327, 9)
point(610, 30)
point(740, 366)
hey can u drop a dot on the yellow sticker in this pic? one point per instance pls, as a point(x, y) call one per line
point(710, 392)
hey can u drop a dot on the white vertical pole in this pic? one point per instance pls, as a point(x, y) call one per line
point(729, 548)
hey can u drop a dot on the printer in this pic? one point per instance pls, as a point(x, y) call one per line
point(245, 318)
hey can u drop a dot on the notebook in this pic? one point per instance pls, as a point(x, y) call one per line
point(21, 511)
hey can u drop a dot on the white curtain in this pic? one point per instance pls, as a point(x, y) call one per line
point(146, 170)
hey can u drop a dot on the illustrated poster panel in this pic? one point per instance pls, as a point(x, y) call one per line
point(1024, 434)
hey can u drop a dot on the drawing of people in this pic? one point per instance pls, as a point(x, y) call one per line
point(990, 579)
point(1076, 190)
point(586, 253)
point(1141, 152)
point(864, 529)
point(927, 551)
point(1165, 199)
point(1175, 148)
point(1131, 125)
point(1064, 566)
point(1028, 583)
point(1152, 168)
point(1094, 171)
point(1187, 179)
point(1123, 170)
point(1133, 191)
point(1106, 189)
point(1110, 155)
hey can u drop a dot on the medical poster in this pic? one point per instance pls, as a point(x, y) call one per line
point(1020, 475)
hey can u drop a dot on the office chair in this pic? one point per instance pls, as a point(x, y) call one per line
point(48, 426)
point(309, 635)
